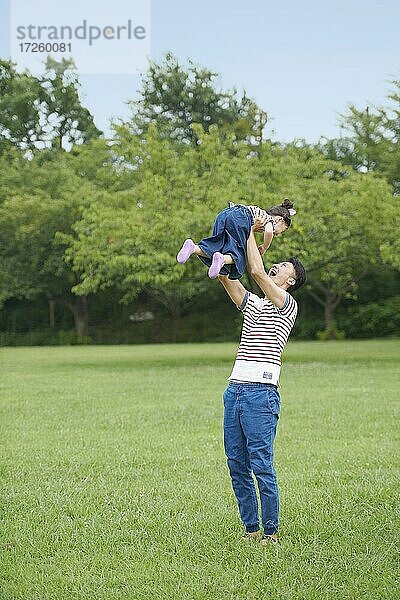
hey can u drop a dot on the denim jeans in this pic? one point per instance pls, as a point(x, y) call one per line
point(251, 413)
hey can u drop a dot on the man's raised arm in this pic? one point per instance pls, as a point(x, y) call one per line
point(256, 267)
point(234, 288)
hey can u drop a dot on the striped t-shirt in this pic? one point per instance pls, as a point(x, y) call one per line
point(256, 212)
point(265, 331)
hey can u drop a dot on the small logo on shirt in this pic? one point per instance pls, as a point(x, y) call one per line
point(267, 375)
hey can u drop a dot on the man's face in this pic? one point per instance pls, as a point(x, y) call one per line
point(282, 273)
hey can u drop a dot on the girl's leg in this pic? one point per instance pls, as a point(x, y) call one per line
point(188, 248)
point(197, 250)
point(218, 261)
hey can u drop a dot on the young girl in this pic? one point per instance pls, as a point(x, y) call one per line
point(225, 251)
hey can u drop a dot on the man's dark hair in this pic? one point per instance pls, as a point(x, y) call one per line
point(300, 274)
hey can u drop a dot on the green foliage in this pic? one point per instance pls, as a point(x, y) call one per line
point(164, 192)
point(42, 199)
point(44, 111)
point(345, 221)
point(45, 337)
point(390, 250)
point(71, 338)
point(110, 215)
point(330, 333)
point(375, 319)
point(176, 97)
point(68, 122)
point(20, 96)
point(373, 140)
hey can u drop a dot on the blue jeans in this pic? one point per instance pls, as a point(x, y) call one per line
point(251, 413)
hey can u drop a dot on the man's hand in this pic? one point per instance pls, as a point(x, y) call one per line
point(262, 249)
point(259, 224)
point(273, 292)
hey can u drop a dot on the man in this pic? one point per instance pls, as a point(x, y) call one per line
point(251, 400)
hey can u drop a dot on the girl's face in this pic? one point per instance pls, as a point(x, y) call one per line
point(280, 225)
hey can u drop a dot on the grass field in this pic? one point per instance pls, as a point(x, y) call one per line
point(114, 481)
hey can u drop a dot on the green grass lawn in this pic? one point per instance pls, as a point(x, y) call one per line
point(115, 485)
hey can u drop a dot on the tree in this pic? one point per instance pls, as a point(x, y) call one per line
point(67, 121)
point(45, 111)
point(43, 196)
point(19, 113)
point(336, 233)
point(167, 192)
point(372, 145)
point(128, 237)
point(112, 215)
point(372, 142)
point(174, 98)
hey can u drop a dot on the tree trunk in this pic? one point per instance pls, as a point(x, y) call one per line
point(52, 312)
point(174, 308)
point(329, 313)
point(175, 323)
point(81, 316)
point(79, 308)
point(329, 301)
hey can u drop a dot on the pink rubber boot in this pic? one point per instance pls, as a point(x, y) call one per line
point(186, 251)
point(216, 265)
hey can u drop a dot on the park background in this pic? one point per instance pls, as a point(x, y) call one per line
point(113, 483)
point(92, 216)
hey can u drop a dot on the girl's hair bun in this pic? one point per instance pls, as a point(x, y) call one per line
point(287, 204)
point(283, 210)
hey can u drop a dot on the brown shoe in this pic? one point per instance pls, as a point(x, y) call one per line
point(269, 539)
point(252, 535)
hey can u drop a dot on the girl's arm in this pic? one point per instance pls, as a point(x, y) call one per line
point(268, 235)
point(272, 291)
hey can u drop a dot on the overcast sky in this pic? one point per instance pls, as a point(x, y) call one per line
point(302, 61)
